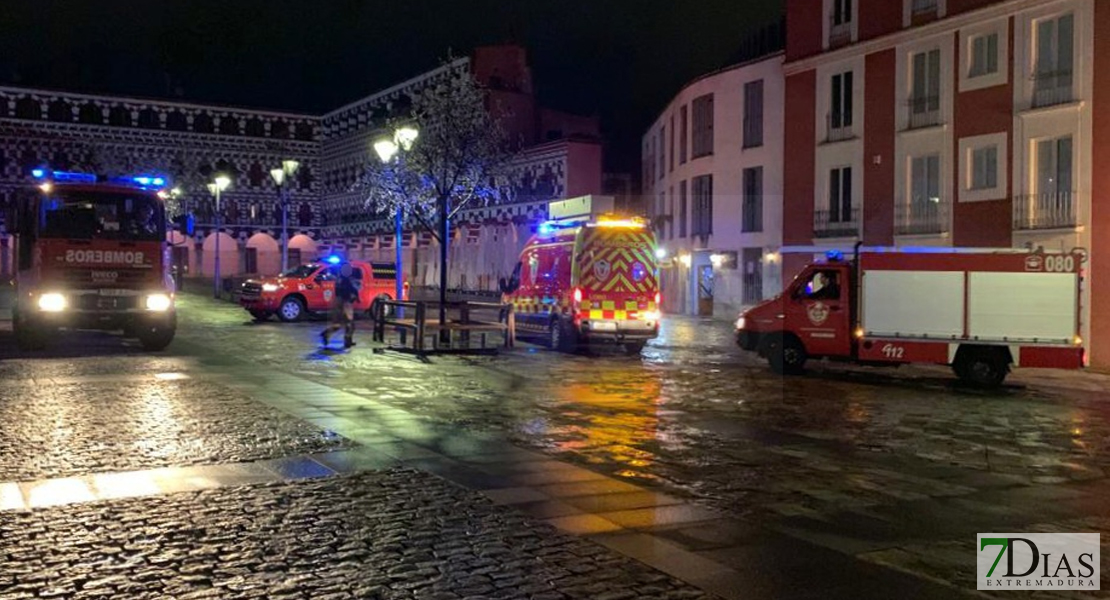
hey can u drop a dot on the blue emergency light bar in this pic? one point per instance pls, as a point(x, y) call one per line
point(333, 260)
point(146, 181)
point(550, 227)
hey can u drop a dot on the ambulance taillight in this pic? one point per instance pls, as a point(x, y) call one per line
point(577, 295)
point(658, 299)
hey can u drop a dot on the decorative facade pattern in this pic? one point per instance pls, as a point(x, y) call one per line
point(190, 142)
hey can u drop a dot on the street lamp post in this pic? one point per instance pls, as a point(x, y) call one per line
point(386, 149)
point(218, 185)
point(286, 171)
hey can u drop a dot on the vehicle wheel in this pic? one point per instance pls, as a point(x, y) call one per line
point(560, 338)
point(260, 315)
point(27, 336)
point(291, 309)
point(633, 348)
point(786, 355)
point(982, 367)
point(374, 306)
point(154, 339)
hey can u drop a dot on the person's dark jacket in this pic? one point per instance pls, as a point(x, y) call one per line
point(346, 289)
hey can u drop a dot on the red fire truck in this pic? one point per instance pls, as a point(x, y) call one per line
point(309, 289)
point(91, 253)
point(586, 282)
point(979, 310)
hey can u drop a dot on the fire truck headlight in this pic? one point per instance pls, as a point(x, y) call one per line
point(52, 302)
point(740, 323)
point(158, 302)
point(270, 287)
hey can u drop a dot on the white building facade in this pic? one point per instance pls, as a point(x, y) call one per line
point(712, 181)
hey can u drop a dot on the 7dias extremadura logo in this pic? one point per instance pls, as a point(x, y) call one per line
point(1032, 561)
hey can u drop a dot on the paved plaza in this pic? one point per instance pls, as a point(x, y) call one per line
point(246, 462)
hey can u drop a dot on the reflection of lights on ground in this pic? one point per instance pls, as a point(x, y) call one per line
point(535, 427)
point(57, 492)
point(125, 485)
point(170, 376)
point(621, 419)
point(158, 420)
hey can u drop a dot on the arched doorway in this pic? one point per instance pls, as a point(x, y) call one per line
point(229, 255)
point(263, 255)
point(302, 249)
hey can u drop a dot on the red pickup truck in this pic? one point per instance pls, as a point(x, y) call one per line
point(310, 288)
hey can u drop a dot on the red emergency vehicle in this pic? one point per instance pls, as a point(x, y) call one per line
point(586, 282)
point(91, 253)
point(310, 288)
point(979, 310)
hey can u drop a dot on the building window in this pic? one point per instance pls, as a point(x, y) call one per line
point(753, 114)
point(682, 209)
point(703, 126)
point(702, 190)
point(752, 210)
point(984, 55)
point(1054, 56)
point(685, 136)
point(752, 261)
point(660, 208)
point(1053, 203)
point(839, 218)
point(925, 98)
point(1054, 166)
point(984, 168)
point(840, 26)
point(840, 195)
point(923, 8)
point(670, 214)
point(672, 144)
point(662, 151)
point(924, 211)
point(840, 103)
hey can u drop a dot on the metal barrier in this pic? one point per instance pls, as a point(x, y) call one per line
point(458, 330)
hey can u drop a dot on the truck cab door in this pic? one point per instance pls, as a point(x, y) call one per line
point(817, 310)
point(321, 291)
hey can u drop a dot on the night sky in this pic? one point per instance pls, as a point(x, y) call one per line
point(621, 59)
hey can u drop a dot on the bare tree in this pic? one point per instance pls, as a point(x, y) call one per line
point(460, 160)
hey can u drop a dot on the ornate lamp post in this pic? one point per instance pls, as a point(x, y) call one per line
point(386, 149)
point(219, 184)
point(286, 171)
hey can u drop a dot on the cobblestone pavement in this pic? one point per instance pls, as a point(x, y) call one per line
point(78, 417)
point(393, 534)
point(823, 474)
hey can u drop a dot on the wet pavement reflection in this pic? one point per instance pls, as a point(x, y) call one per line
point(696, 415)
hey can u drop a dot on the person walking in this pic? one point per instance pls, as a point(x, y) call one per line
point(342, 314)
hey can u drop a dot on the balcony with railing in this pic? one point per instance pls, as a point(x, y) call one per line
point(840, 34)
point(924, 112)
point(834, 224)
point(923, 11)
point(1053, 87)
point(838, 128)
point(1055, 210)
point(921, 217)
